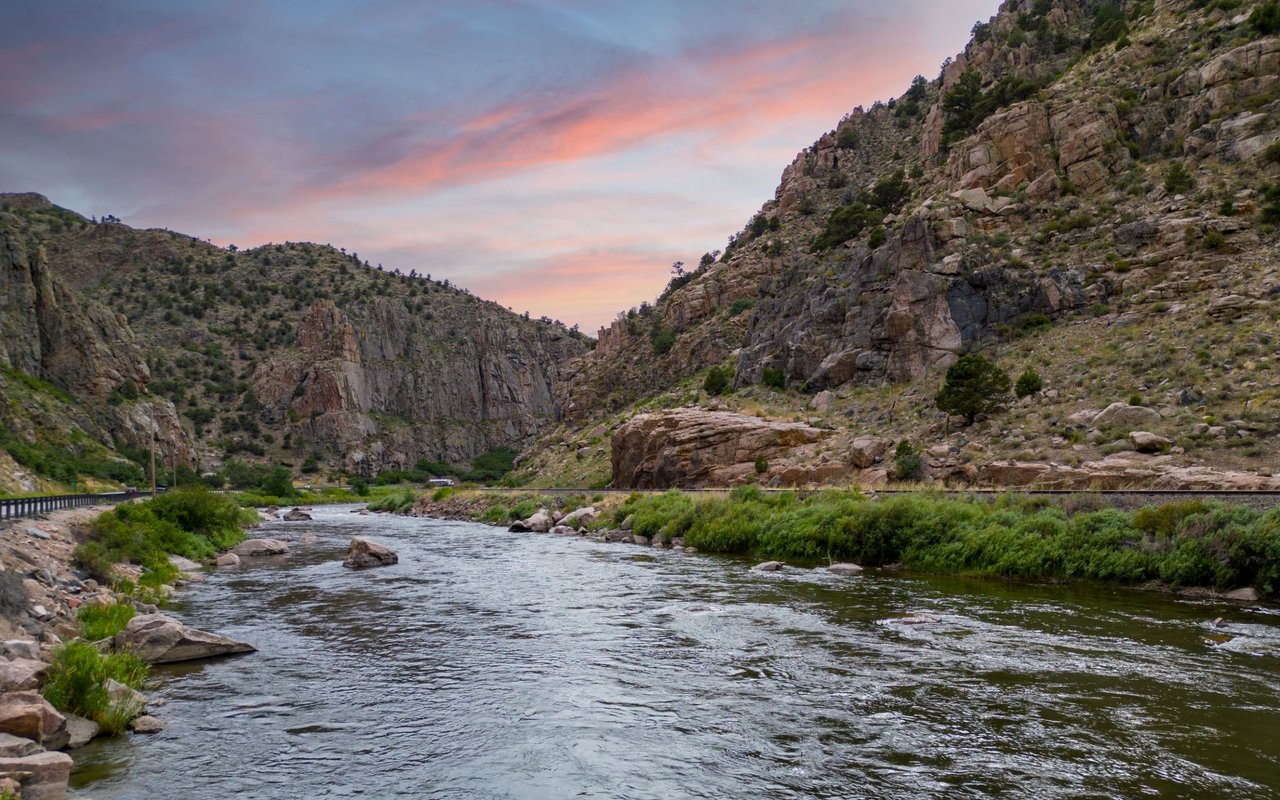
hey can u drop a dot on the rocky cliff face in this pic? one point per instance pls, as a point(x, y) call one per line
point(49, 332)
point(488, 385)
point(292, 351)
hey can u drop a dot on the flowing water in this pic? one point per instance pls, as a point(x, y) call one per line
point(495, 665)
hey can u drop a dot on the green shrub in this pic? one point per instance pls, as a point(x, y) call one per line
point(762, 465)
point(1177, 180)
point(1028, 383)
point(360, 486)
point(1265, 19)
point(523, 510)
point(717, 381)
point(845, 223)
point(663, 339)
point(773, 378)
point(908, 465)
point(739, 306)
point(278, 482)
point(190, 522)
point(491, 465)
point(973, 386)
point(103, 622)
point(77, 679)
point(496, 513)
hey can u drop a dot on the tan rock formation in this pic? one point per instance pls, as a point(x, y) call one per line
point(690, 447)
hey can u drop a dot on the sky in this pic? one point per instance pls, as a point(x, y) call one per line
point(553, 155)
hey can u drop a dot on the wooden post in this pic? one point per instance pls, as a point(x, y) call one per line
point(153, 463)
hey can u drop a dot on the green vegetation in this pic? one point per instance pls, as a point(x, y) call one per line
point(773, 378)
point(1029, 383)
point(740, 306)
point(397, 502)
point(1109, 25)
point(1265, 19)
point(193, 523)
point(973, 387)
point(965, 105)
point(662, 339)
point(1184, 544)
point(717, 381)
point(77, 683)
point(1177, 180)
point(103, 622)
point(67, 461)
point(908, 464)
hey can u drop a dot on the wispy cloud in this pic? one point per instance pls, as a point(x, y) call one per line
point(552, 154)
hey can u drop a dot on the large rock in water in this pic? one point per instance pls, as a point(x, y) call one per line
point(29, 716)
point(540, 522)
point(43, 775)
point(260, 547)
point(362, 554)
point(690, 447)
point(158, 639)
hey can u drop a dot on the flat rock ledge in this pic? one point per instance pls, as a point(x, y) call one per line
point(160, 639)
point(363, 554)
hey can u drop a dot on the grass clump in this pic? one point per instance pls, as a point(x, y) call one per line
point(399, 501)
point(1185, 544)
point(193, 523)
point(77, 683)
point(103, 622)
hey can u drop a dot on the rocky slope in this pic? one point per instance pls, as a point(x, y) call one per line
point(299, 353)
point(74, 377)
point(1083, 190)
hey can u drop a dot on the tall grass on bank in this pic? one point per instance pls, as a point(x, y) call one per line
point(77, 680)
point(1184, 544)
point(397, 502)
point(193, 523)
point(102, 622)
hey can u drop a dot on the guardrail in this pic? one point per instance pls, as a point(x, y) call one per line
point(20, 507)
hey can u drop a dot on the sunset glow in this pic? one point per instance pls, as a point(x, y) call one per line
point(552, 155)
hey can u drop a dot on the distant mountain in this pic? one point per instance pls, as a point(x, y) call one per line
point(293, 353)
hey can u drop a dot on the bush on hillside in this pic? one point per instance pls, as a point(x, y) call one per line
point(1029, 383)
point(973, 387)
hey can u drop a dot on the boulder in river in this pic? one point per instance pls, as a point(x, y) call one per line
point(260, 547)
point(768, 566)
point(540, 522)
point(227, 560)
point(1247, 594)
point(80, 730)
point(146, 724)
point(296, 515)
point(43, 776)
point(30, 716)
point(845, 569)
point(160, 639)
point(362, 554)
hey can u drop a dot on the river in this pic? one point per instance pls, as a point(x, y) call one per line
point(488, 664)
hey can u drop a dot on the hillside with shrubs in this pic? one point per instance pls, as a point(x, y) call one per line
point(1086, 197)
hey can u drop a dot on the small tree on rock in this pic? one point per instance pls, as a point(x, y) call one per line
point(973, 387)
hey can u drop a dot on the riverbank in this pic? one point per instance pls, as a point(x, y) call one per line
point(79, 628)
point(1193, 546)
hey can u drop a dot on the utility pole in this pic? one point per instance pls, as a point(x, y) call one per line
point(153, 463)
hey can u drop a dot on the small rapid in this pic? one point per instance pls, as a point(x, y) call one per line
point(487, 664)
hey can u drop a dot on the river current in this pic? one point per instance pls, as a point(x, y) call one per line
point(489, 664)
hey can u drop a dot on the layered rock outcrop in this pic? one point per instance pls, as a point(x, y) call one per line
point(689, 448)
point(364, 385)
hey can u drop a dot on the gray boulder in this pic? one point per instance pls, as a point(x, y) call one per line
point(227, 560)
point(43, 776)
point(260, 547)
point(363, 554)
point(582, 516)
point(1146, 442)
point(845, 569)
point(296, 515)
point(541, 522)
point(159, 639)
point(146, 724)
point(865, 451)
point(1123, 415)
point(21, 673)
point(15, 746)
point(27, 715)
point(80, 730)
point(767, 566)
